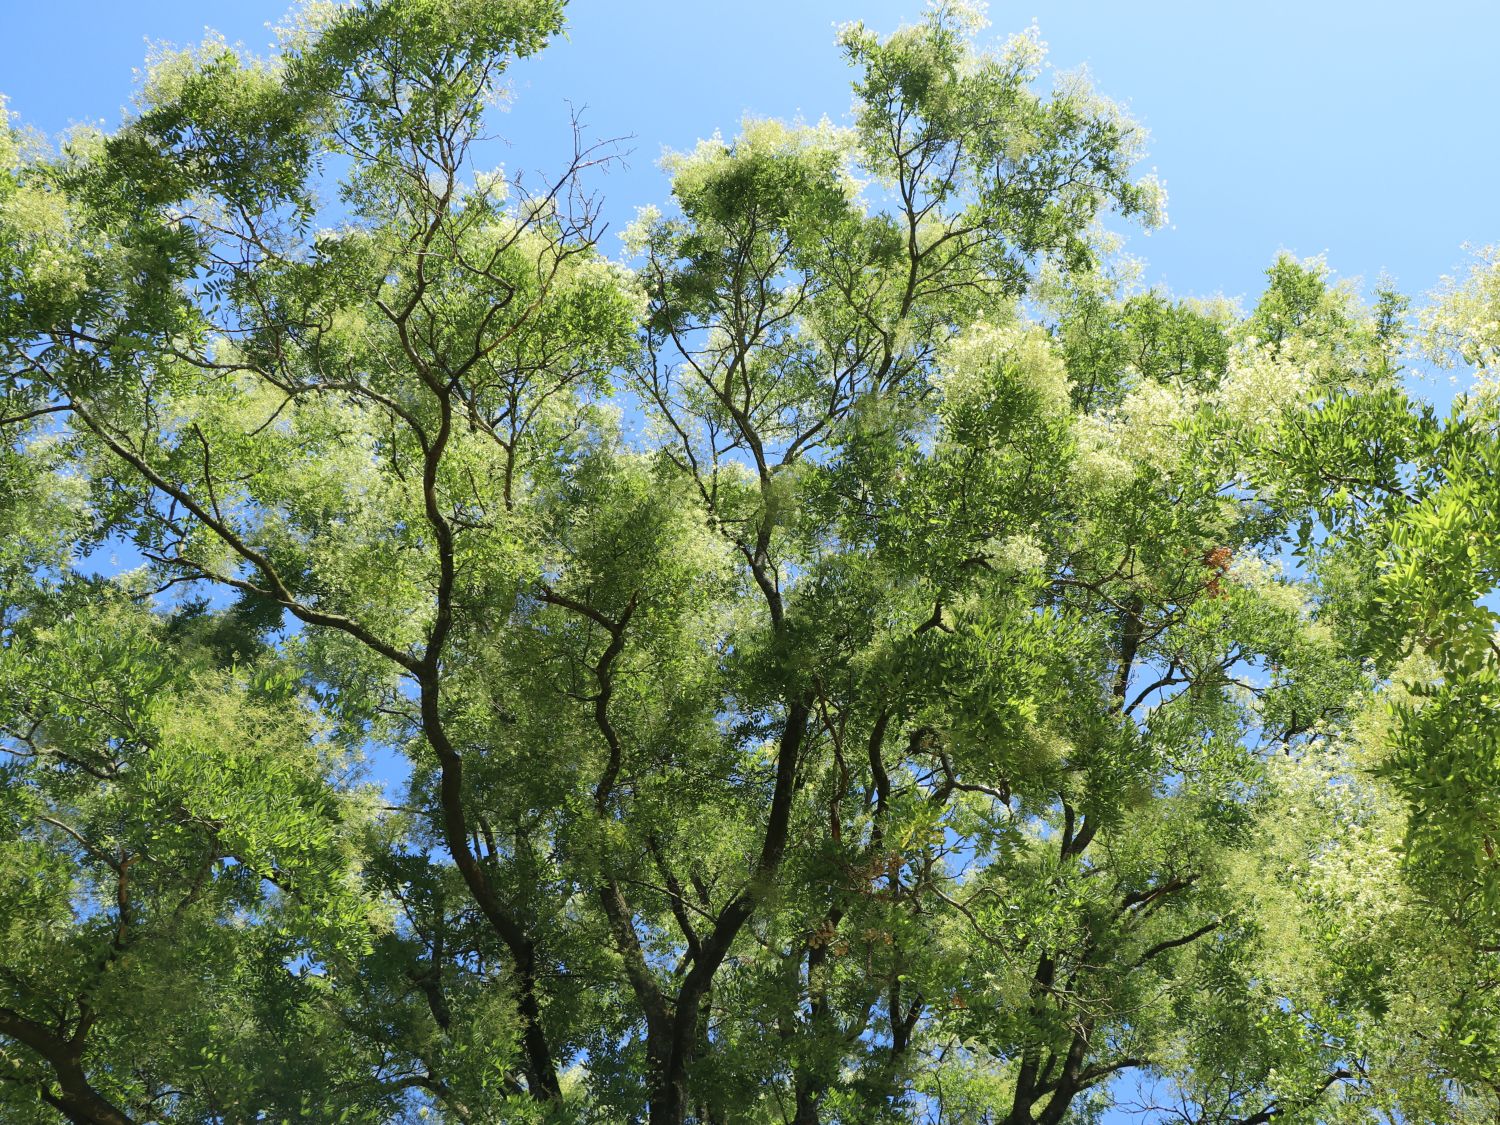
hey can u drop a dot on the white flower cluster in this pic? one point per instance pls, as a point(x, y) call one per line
point(1350, 838)
point(1153, 416)
point(1267, 580)
point(998, 358)
point(1024, 52)
point(636, 236)
point(1015, 555)
point(1259, 385)
point(1098, 467)
point(763, 137)
point(1144, 433)
point(36, 221)
point(1462, 325)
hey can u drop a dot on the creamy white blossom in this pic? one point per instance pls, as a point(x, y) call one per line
point(1259, 385)
point(1011, 359)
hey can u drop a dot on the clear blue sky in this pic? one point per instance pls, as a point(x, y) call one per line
point(1367, 130)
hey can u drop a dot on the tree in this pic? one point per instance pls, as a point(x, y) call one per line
point(860, 659)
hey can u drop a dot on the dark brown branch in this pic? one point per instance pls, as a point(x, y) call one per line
point(76, 1099)
point(1172, 943)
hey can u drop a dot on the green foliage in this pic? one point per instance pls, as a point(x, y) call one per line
point(945, 684)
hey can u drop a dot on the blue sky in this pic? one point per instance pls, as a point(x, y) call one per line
point(1365, 130)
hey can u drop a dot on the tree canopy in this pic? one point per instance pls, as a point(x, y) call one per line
point(858, 656)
